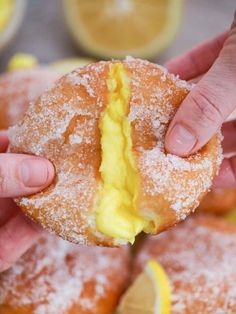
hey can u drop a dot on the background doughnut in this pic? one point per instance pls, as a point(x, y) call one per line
point(199, 257)
point(18, 89)
point(56, 276)
point(219, 201)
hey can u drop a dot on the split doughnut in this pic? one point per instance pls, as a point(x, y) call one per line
point(18, 89)
point(103, 128)
point(59, 277)
point(219, 201)
point(199, 257)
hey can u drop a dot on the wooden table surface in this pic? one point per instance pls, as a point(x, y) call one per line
point(44, 34)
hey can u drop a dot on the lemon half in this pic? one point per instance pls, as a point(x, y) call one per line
point(11, 16)
point(149, 294)
point(116, 28)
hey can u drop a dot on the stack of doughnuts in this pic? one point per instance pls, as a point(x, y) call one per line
point(103, 128)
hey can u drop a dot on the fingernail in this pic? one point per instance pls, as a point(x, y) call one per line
point(36, 172)
point(180, 140)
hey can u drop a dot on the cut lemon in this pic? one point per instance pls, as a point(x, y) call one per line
point(149, 294)
point(6, 10)
point(22, 61)
point(116, 28)
point(11, 16)
point(69, 64)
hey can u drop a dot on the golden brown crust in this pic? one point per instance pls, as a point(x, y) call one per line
point(199, 256)
point(59, 277)
point(18, 89)
point(63, 125)
point(218, 201)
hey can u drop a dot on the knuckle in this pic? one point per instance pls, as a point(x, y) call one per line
point(205, 108)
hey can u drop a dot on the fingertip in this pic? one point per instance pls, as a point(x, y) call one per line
point(180, 140)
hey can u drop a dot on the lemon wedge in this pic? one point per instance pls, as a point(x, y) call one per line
point(116, 28)
point(67, 65)
point(22, 61)
point(149, 294)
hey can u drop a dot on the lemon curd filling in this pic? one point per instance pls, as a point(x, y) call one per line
point(116, 213)
point(6, 10)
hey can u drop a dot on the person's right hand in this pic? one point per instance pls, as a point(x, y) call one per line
point(209, 103)
point(19, 175)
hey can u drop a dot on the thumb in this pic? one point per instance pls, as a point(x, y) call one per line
point(23, 174)
point(207, 106)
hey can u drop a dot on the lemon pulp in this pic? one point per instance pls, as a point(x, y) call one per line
point(116, 213)
point(6, 9)
point(116, 28)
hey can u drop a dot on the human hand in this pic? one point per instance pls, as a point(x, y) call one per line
point(210, 102)
point(19, 175)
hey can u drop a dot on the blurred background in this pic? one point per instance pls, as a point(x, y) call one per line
point(44, 33)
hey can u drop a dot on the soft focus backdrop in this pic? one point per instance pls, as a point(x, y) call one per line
point(44, 34)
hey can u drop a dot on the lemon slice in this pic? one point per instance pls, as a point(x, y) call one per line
point(22, 61)
point(149, 294)
point(69, 64)
point(116, 28)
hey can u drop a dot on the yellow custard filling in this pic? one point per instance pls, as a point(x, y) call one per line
point(6, 10)
point(116, 213)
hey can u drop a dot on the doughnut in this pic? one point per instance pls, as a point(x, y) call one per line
point(18, 89)
point(199, 257)
point(58, 277)
point(219, 201)
point(103, 128)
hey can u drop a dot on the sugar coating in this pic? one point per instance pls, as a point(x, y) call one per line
point(55, 274)
point(180, 181)
point(19, 88)
point(199, 257)
point(64, 127)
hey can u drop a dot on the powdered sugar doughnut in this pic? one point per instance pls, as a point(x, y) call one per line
point(18, 89)
point(57, 277)
point(103, 127)
point(199, 257)
point(219, 201)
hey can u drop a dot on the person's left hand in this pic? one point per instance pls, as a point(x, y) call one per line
point(17, 232)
